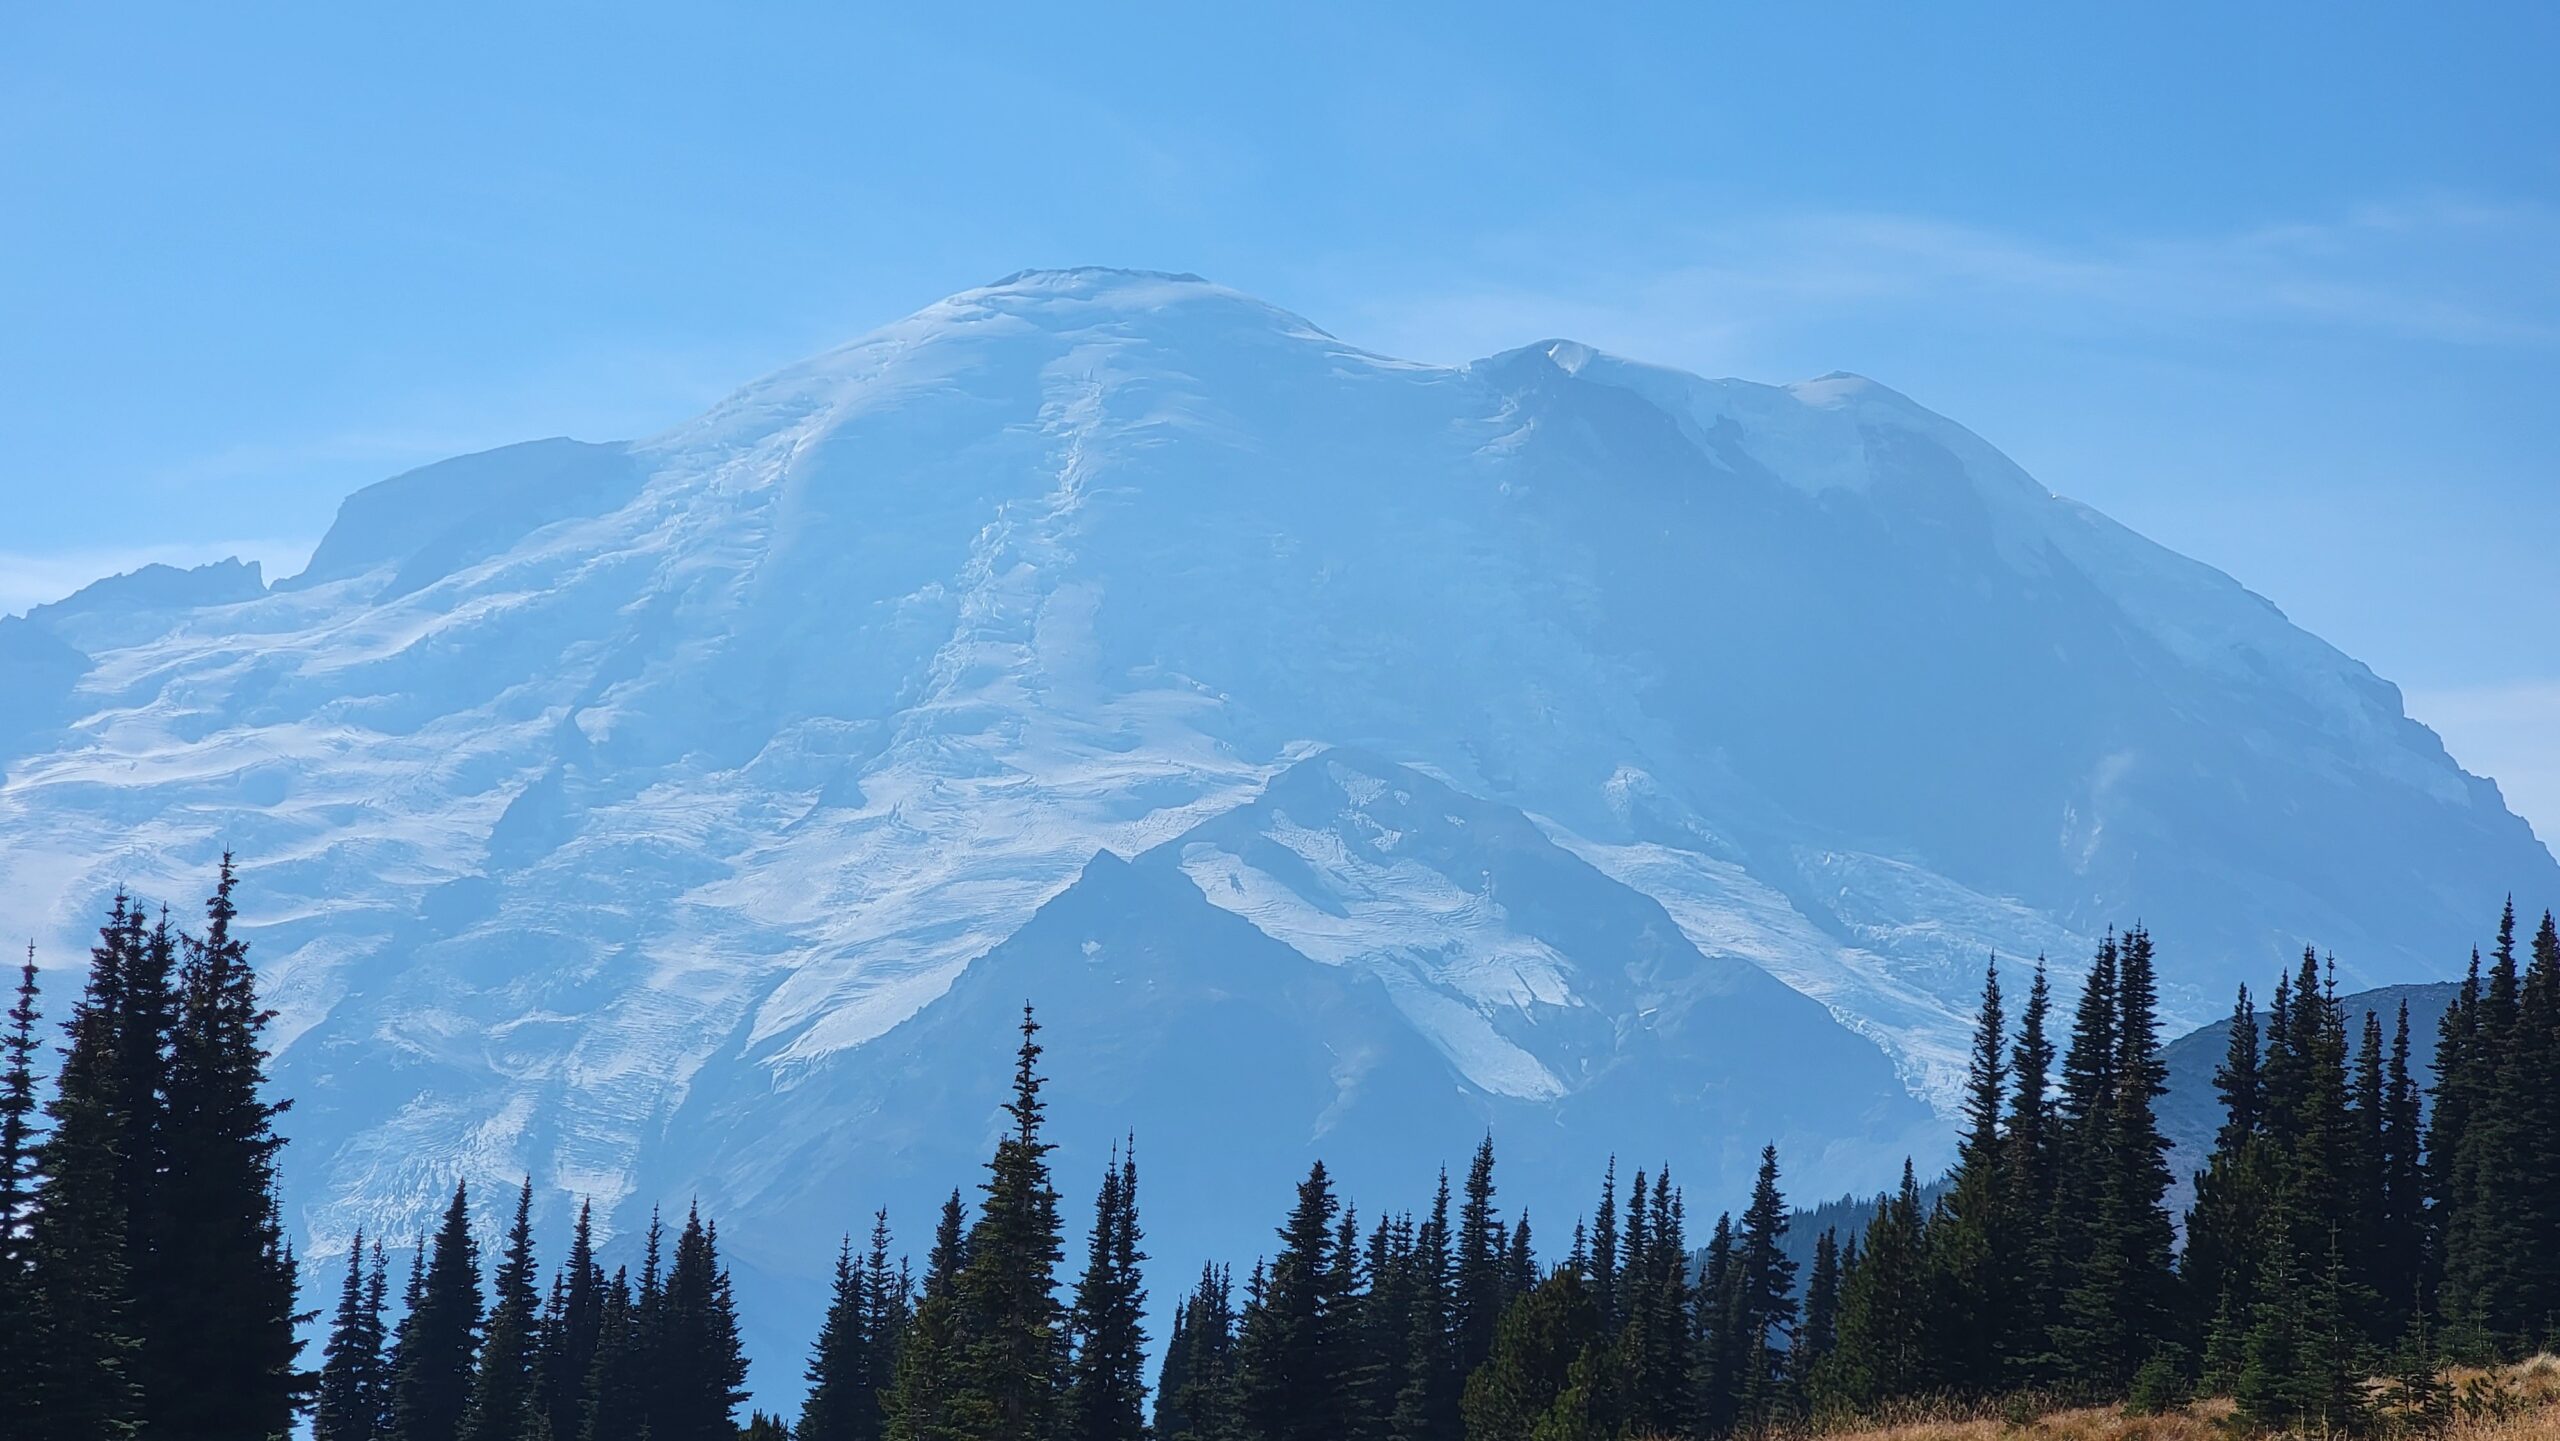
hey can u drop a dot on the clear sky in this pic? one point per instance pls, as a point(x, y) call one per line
point(2274, 283)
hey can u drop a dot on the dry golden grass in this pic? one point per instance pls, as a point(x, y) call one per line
point(2507, 1403)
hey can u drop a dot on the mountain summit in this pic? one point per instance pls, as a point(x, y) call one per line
point(1347, 754)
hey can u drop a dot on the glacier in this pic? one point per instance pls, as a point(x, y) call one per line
point(1346, 754)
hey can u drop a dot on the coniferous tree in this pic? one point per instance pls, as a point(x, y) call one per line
point(701, 1368)
point(17, 1121)
point(1884, 1352)
point(890, 1294)
point(1012, 1327)
point(1821, 1333)
point(18, 1312)
point(1196, 1397)
point(2083, 1115)
point(1107, 1389)
point(840, 1399)
point(1658, 1348)
point(1292, 1357)
point(1519, 1263)
point(2479, 1302)
point(2458, 1066)
point(2403, 1242)
point(572, 1328)
point(226, 1339)
point(1479, 1245)
point(348, 1405)
point(2029, 1148)
point(2227, 1225)
point(1717, 1327)
point(84, 1385)
point(503, 1405)
point(1526, 1389)
point(2360, 1209)
point(1973, 1257)
point(2117, 1309)
point(438, 1338)
point(929, 1361)
point(163, 1369)
point(616, 1404)
point(2534, 1091)
point(1427, 1409)
point(1604, 1248)
point(1765, 1300)
point(1382, 1339)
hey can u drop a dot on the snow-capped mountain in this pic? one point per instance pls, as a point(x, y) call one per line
point(1346, 754)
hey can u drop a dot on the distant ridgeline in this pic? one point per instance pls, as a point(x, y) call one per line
point(2342, 1227)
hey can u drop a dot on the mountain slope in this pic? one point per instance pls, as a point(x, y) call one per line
point(589, 793)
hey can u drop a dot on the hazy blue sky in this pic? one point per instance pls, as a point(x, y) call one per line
point(2273, 283)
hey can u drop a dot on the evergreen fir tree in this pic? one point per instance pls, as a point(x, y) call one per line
point(1821, 1333)
point(17, 1125)
point(1658, 1349)
point(168, 1362)
point(227, 1341)
point(349, 1400)
point(1292, 1358)
point(1008, 1380)
point(2117, 1309)
point(616, 1405)
point(2360, 1209)
point(2525, 1303)
point(84, 1384)
point(1196, 1398)
point(1517, 1394)
point(2237, 1080)
point(1107, 1389)
point(929, 1361)
point(839, 1373)
point(2029, 1147)
point(2235, 1194)
point(572, 1329)
point(2482, 1306)
point(1427, 1409)
point(701, 1368)
point(2403, 1242)
point(503, 1392)
point(18, 1180)
point(438, 1338)
point(2083, 1116)
point(1764, 1310)
point(1717, 1327)
point(890, 1296)
point(1884, 1351)
point(1382, 1341)
point(2459, 1065)
point(1519, 1263)
point(1479, 1243)
point(1604, 1248)
point(1973, 1248)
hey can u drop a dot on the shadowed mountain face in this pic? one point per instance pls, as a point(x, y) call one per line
point(1615, 757)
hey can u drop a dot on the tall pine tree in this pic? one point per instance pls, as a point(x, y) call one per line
point(226, 1340)
point(1013, 1328)
point(1106, 1389)
point(349, 1399)
point(504, 1393)
point(440, 1334)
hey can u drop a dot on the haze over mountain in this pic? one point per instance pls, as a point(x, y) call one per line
point(1345, 754)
